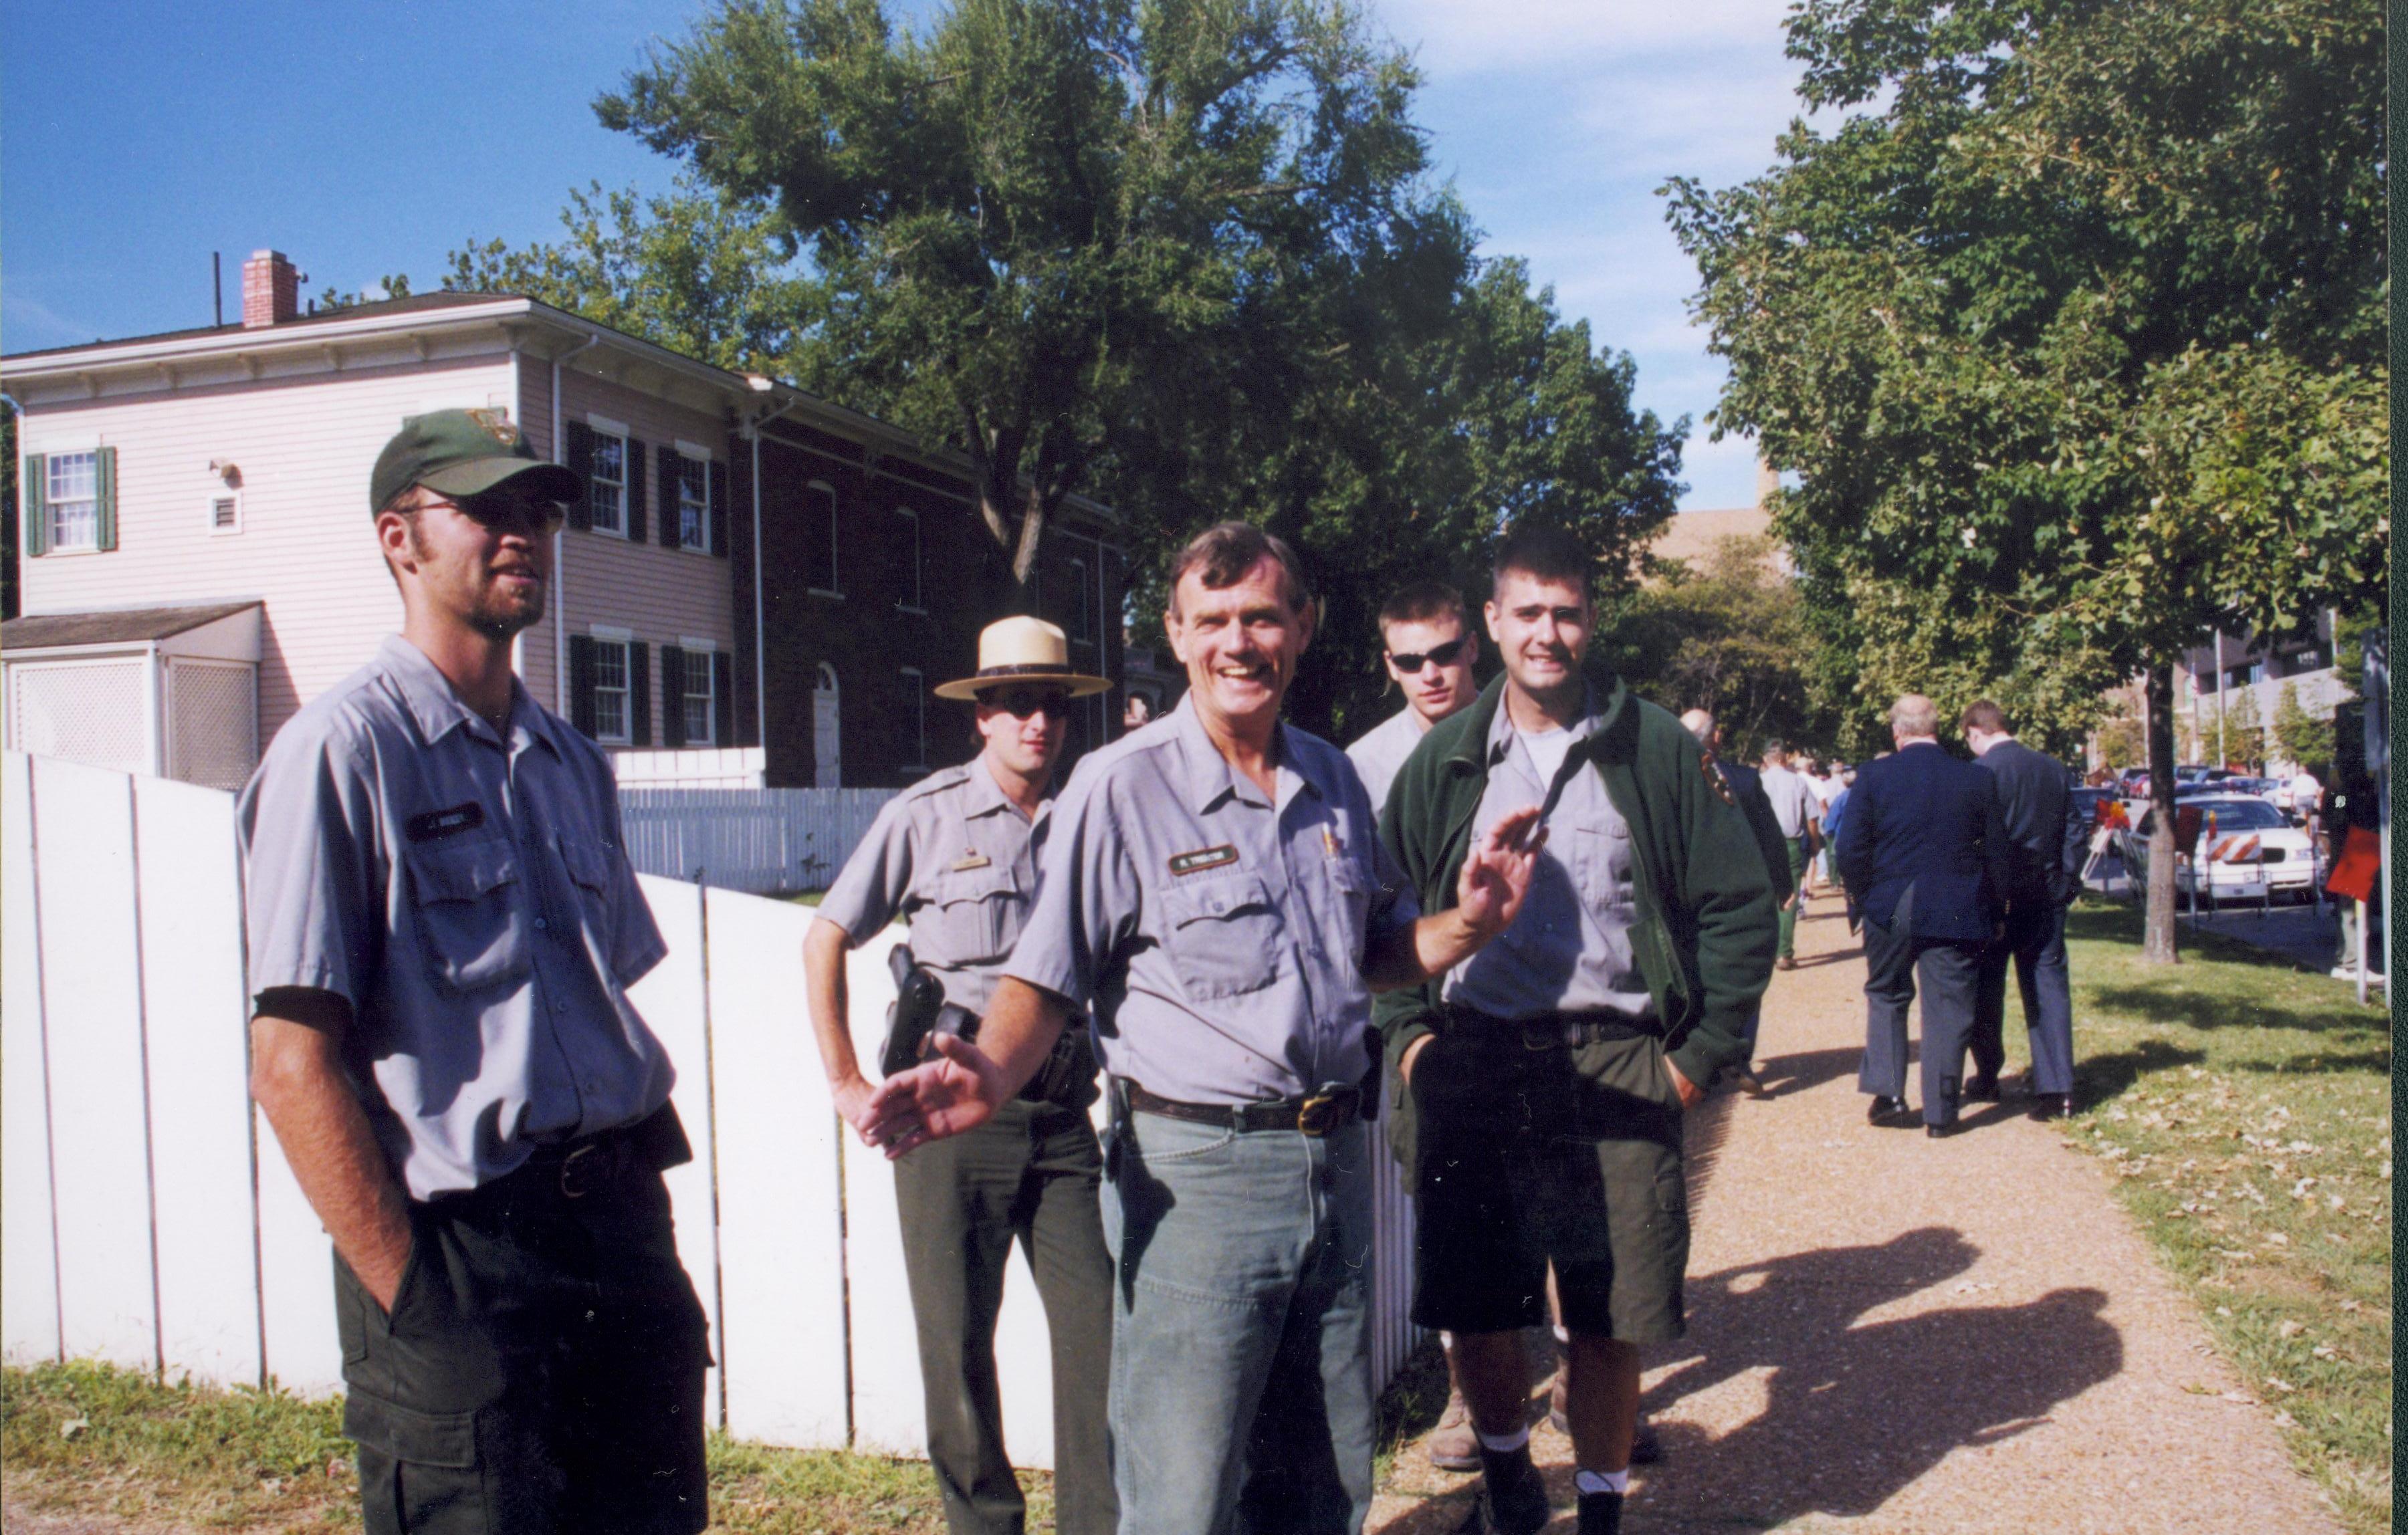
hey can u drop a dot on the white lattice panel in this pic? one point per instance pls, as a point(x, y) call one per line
point(87, 712)
point(213, 721)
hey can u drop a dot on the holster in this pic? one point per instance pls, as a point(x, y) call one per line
point(919, 1000)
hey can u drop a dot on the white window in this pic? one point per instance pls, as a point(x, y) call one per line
point(225, 512)
point(908, 541)
point(606, 481)
point(610, 690)
point(819, 553)
point(71, 491)
point(916, 718)
point(693, 508)
point(701, 729)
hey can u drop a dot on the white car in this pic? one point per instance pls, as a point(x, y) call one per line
point(2247, 850)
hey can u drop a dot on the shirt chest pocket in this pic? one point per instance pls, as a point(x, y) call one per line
point(1601, 867)
point(1224, 935)
point(594, 869)
point(972, 915)
point(471, 930)
point(1351, 889)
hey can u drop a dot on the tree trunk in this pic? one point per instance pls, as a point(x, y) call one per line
point(2158, 941)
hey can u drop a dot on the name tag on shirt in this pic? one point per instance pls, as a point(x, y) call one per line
point(968, 861)
point(1202, 858)
point(434, 825)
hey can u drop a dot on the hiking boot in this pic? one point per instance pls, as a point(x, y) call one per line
point(1453, 1446)
point(1512, 1496)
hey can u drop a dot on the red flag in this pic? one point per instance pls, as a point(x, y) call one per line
point(2360, 864)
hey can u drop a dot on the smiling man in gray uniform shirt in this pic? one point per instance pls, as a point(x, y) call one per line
point(443, 929)
point(1214, 887)
point(956, 855)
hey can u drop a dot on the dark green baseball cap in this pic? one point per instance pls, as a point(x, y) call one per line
point(458, 453)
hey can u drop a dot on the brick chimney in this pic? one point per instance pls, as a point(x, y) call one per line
point(271, 290)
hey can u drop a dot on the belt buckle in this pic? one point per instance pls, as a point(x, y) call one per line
point(572, 1184)
point(1322, 1112)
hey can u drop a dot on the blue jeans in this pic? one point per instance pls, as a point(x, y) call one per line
point(1242, 1377)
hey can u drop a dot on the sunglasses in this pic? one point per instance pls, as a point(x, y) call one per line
point(1442, 655)
point(514, 514)
point(1021, 702)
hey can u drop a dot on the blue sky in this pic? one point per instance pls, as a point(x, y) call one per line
point(138, 136)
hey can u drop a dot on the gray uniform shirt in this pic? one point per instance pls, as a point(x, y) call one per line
point(1569, 951)
point(1382, 749)
point(956, 860)
point(1792, 800)
point(468, 896)
point(1220, 938)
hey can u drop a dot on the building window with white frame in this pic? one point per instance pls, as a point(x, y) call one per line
point(915, 719)
point(819, 539)
point(606, 481)
point(610, 690)
point(699, 695)
point(908, 540)
point(71, 494)
point(693, 502)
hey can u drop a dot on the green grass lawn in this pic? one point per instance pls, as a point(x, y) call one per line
point(2244, 1106)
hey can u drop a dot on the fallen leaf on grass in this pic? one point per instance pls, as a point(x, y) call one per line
point(73, 1426)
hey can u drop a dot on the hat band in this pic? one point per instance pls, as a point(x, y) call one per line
point(1035, 669)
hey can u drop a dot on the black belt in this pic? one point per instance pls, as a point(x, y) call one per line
point(1551, 1029)
point(574, 1169)
point(1323, 1112)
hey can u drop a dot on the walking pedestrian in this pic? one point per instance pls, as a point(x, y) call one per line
point(2046, 845)
point(1795, 810)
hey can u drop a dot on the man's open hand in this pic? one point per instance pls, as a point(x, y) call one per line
point(958, 1091)
point(1497, 872)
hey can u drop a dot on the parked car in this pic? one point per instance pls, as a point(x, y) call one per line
point(2089, 804)
point(2246, 848)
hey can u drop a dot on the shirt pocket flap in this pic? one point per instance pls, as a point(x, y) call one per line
point(589, 863)
point(460, 871)
point(1212, 899)
point(976, 884)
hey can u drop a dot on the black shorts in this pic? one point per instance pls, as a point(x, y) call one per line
point(542, 1368)
point(1536, 1153)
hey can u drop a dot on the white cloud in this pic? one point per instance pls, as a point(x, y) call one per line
point(19, 315)
point(1472, 37)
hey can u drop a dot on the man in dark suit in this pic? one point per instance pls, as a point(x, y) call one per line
point(2045, 846)
point(1922, 852)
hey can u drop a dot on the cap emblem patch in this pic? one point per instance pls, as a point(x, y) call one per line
point(497, 426)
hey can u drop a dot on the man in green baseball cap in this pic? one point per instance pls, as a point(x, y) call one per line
point(443, 928)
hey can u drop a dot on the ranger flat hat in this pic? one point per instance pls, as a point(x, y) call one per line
point(1026, 652)
point(458, 453)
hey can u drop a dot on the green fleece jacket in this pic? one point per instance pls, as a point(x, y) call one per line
point(1706, 928)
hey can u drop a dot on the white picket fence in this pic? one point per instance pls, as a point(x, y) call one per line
point(767, 841)
point(148, 1218)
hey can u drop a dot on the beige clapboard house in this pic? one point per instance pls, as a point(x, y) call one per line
point(197, 562)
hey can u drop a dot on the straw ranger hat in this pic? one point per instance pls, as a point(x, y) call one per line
point(1027, 652)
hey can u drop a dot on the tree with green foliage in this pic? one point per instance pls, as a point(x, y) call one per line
point(1729, 636)
point(2072, 334)
point(2303, 739)
point(2245, 731)
point(2121, 744)
point(1023, 210)
point(705, 276)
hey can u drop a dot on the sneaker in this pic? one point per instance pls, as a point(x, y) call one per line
point(1453, 1446)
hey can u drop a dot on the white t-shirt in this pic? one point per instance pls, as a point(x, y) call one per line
point(1547, 749)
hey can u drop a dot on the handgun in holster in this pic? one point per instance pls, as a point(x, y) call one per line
point(917, 1013)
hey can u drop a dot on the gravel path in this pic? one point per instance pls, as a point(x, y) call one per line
point(1889, 1333)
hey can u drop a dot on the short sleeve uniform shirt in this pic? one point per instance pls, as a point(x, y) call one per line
point(467, 896)
point(1218, 934)
point(956, 860)
point(1381, 750)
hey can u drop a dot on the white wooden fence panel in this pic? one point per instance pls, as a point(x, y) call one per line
point(29, 1275)
point(296, 1280)
point(99, 1135)
point(671, 999)
point(195, 1021)
point(781, 1220)
point(759, 840)
point(887, 1416)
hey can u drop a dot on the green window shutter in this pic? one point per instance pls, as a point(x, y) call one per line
point(580, 683)
point(637, 468)
point(668, 462)
point(723, 695)
point(639, 694)
point(34, 489)
point(673, 696)
point(578, 439)
point(105, 508)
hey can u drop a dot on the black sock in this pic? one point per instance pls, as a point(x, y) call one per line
point(1517, 1495)
point(1600, 1513)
